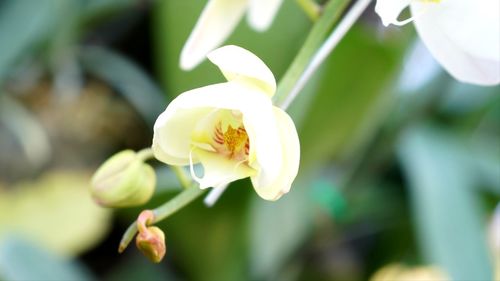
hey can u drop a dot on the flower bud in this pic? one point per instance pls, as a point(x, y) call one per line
point(124, 180)
point(151, 243)
point(150, 240)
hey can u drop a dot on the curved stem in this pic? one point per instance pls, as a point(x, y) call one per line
point(311, 8)
point(331, 14)
point(182, 199)
point(331, 42)
point(145, 154)
point(182, 176)
point(163, 211)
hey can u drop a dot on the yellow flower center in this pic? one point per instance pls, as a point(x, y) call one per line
point(233, 143)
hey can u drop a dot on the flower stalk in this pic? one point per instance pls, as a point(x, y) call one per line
point(324, 51)
point(182, 176)
point(311, 8)
point(162, 212)
point(330, 15)
point(150, 240)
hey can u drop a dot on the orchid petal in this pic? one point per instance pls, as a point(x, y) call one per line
point(240, 65)
point(389, 11)
point(262, 12)
point(463, 37)
point(291, 158)
point(174, 127)
point(218, 19)
point(172, 134)
point(219, 170)
point(258, 120)
point(473, 26)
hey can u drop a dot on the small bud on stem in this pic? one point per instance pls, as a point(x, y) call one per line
point(150, 240)
point(124, 180)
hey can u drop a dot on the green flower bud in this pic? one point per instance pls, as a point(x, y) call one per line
point(124, 180)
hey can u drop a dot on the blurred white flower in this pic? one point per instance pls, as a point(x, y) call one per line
point(218, 20)
point(401, 272)
point(463, 35)
point(232, 128)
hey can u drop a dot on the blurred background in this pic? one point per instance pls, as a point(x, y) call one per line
point(400, 165)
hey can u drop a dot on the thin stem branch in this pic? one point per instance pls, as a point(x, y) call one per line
point(145, 154)
point(311, 8)
point(180, 201)
point(331, 42)
point(163, 211)
point(330, 15)
point(185, 181)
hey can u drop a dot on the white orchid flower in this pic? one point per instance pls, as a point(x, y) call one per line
point(232, 128)
point(462, 35)
point(218, 20)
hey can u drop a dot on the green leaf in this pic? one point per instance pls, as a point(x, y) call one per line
point(211, 243)
point(99, 9)
point(137, 267)
point(22, 260)
point(23, 24)
point(135, 85)
point(277, 229)
point(352, 99)
point(445, 203)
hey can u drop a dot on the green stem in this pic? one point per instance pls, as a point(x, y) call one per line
point(181, 175)
point(145, 154)
point(311, 8)
point(181, 200)
point(164, 211)
point(331, 14)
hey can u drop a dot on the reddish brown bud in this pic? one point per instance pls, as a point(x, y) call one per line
point(151, 239)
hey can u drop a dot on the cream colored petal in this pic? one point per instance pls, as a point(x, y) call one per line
point(389, 11)
point(176, 126)
point(227, 95)
point(258, 119)
point(473, 26)
point(218, 170)
point(216, 22)
point(240, 65)
point(172, 134)
point(463, 43)
point(262, 12)
point(291, 158)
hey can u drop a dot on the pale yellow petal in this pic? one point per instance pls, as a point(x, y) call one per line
point(216, 22)
point(258, 119)
point(174, 128)
point(242, 66)
point(227, 95)
point(290, 147)
point(262, 12)
point(172, 134)
point(219, 170)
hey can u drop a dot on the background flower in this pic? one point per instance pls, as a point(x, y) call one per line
point(218, 19)
point(461, 35)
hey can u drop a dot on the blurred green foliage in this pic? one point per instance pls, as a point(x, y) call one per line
point(390, 172)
